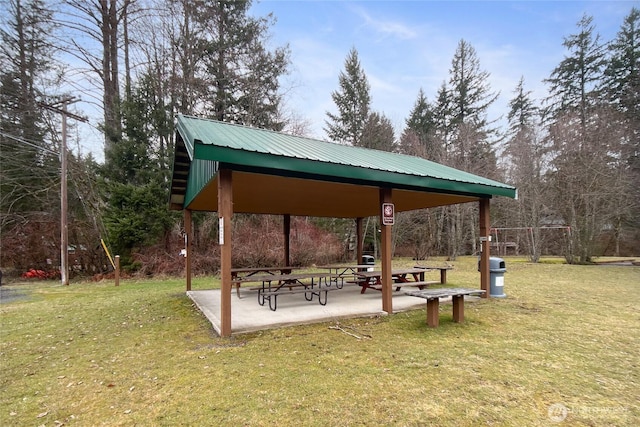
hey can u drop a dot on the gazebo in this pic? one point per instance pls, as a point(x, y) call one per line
point(227, 168)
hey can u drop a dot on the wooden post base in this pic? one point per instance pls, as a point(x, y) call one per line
point(458, 308)
point(433, 302)
point(433, 309)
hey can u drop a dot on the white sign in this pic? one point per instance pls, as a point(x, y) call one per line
point(221, 231)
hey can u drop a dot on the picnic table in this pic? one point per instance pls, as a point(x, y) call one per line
point(243, 272)
point(433, 302)
point(400, 276)
point(311, 284)
point(345, 270)
point(443, 271)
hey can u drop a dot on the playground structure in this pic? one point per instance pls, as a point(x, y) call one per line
point(521, 240)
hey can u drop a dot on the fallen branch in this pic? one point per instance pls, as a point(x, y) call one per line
point(339, 328)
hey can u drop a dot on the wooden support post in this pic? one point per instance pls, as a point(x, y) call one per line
point(287, 239)
point(359, 240)
point(187, 246)
point(458, 308)
point(117, 270)
point(433, 312)
point(485, 230)
point(225, 212)
point(385, 255)
point(443, 276)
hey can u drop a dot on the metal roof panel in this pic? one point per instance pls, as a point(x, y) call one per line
point(212, 140)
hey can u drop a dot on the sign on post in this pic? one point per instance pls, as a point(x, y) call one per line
point(388, 214)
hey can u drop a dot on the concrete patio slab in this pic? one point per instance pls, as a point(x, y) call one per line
point(249, 316)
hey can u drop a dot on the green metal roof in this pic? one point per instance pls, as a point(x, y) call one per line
point(204, 144)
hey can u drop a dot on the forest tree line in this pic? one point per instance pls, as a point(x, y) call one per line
point(573, 155)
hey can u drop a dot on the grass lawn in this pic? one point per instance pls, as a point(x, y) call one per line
point(563, 347)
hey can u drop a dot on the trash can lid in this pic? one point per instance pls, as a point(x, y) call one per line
point(496, 263)
point(367, 259)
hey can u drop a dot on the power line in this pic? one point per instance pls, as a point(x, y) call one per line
point(30, 143)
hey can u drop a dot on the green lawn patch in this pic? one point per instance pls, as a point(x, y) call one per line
point(563, 346)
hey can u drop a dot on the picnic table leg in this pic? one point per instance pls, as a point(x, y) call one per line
point(261, 296)
point(310, 292)
point(364, 285)
point(458, 308)
point(320, 291)
point(433, 306)
point(273, 298)
point(443, 276)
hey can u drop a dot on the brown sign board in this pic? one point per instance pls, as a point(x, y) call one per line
point(388, 214)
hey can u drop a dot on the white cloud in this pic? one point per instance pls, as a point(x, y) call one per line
point(385, 27)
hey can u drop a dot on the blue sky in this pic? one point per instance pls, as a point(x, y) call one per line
point(406, 45)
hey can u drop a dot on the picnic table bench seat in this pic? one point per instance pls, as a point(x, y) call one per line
point(398, 285)
point(310, 292)
point(420, 285)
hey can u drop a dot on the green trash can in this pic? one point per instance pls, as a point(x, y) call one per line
point(497, 268)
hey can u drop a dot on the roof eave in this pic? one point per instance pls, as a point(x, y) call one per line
point(280, 165)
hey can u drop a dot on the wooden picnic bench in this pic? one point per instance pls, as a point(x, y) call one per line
point(401, 277)
point(443, 271)
point(278, 284)
point(433, 302)
point(343, 271)
point(237, 274)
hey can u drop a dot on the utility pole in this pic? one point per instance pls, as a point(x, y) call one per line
point(61, 108)
point(64, 229)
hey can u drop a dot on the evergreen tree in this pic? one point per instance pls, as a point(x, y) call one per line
point(29, 165)
point(135, 184)
point(353, 102)
point(522, 111)
point(469, 88)
point(574, 82)
point(462, 116)
point(584, 138)
point(420, 131)
point(622, 86)
point(622, 74)
point(421, 116)
point(378, 133)
point(241, 74)
point(525, 168)
point(30, 140)
point(442, 117)
point(470, 98)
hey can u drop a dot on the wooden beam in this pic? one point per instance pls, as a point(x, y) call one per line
point(287, 239)
point(359, 240)
point(225, 213)
point(433, 312)
point(385, 255)
point(458, 308)
point(485, 230)
point(117, 270)
point(187, 246)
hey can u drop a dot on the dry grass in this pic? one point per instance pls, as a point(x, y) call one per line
point(141, 354)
